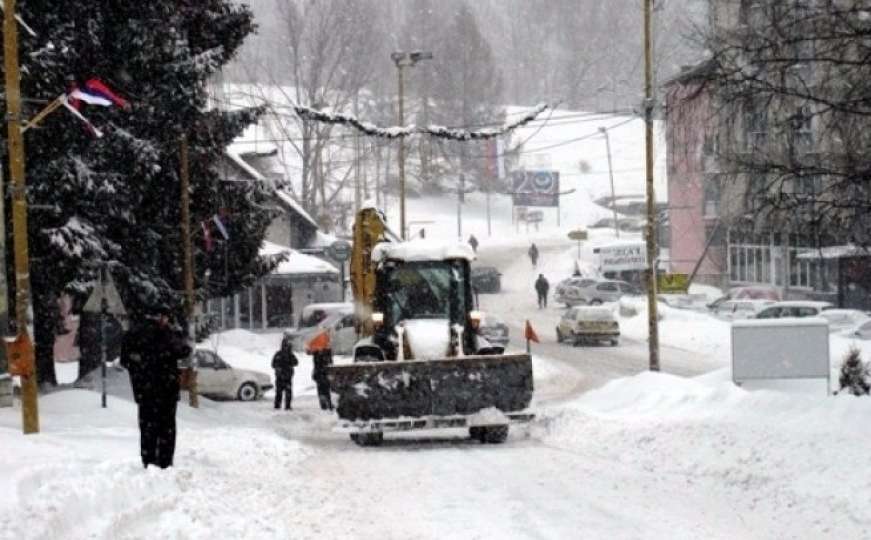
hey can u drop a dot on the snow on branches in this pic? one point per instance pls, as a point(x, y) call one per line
point(395, 132)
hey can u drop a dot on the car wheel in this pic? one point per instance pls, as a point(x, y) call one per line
point(595, 302)
point(614, 342)
point(477, 433)
point(373, 438)
point(248, 392)
point(495, 434)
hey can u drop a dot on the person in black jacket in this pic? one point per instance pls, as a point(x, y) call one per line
point(150, 352)
point(533, 254)
point(541, 287)
point(283, 363)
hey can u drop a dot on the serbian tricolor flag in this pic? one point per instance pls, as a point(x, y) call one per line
point(216, 219)
point(95, 92)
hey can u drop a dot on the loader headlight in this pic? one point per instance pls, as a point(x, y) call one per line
point(377, 318)
point(475, 317)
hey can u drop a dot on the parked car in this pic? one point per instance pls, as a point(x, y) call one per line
point(218, 379)
point(586, 324)
point(862, 331)
point(561, 289)
point(315, 317)
point(626, 224)
point(599, 292)
point(841, 320)
point(486, 279)
point(340, 324)
point(494, 330)
point(739, 309)
point(793, 308)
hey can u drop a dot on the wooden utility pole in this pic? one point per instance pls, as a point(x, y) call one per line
point(652, 322)
point(188, 274)
point(401, 152)
point(29, 403)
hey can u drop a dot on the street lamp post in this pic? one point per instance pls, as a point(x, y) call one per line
point(403, 60)
point(604, 132)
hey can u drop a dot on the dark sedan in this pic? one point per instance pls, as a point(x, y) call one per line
point(486, 279)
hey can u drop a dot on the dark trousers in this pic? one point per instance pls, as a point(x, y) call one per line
point(542, 299)
point(283, 387)
point(157, 431)
point(324, 397)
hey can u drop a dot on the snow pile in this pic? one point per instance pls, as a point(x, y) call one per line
point(788, 466)
point(422, 250)
point(427, 338)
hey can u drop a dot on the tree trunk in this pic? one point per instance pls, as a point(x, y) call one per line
point(45, 315)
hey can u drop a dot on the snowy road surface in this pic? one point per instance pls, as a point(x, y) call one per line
point(644, 456)
point(581, 368)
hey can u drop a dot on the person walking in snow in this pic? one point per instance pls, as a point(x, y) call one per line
point(150, 352)
point(533, 255)
point(322, 358)
point(473, 242)
point(541, 287)
point(283, 363)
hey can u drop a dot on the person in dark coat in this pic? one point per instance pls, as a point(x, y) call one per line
point(283, 363)
point(150, 352)
point(541, 287)
point(322, 358)
point(473, 242)
point(533, 254)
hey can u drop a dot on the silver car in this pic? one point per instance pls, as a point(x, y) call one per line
point(598, 292)
point(216, 378)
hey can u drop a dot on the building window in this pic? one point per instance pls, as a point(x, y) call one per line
point(711, 208)
point(750, 263)
point(801, 128)
point(755, 126)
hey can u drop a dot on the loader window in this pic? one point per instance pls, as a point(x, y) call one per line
point(419, 291)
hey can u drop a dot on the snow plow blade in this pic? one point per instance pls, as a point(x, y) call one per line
point(441, 387)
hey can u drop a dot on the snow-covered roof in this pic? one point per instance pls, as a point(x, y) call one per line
point(296, 262)
point(235, 156)
point(422, 250)
point(291, 202)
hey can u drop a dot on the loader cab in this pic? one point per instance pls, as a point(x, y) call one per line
point(411, 291)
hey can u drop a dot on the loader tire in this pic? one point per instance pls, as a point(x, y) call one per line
point(495, 434)
point(559, 336)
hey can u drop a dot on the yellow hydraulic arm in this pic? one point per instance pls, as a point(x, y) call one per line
point(370, 228)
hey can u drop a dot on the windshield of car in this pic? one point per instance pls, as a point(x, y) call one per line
point(422, 290)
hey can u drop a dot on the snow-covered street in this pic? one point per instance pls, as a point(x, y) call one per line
point(648, 456)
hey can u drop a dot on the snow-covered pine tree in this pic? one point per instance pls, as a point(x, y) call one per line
point(117, 197)
point(855, 375)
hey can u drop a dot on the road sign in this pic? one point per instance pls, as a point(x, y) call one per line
point(535, 188)
point(673, 283)
point(105, 296)
point(339, 250)
point(578, 234)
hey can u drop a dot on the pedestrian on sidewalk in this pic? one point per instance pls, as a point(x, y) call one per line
point(283, 363)
point(533, 255)
point(473, 242)
point(150, 352)
point(541, 287)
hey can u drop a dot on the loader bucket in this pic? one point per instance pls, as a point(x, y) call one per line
point(441, 387)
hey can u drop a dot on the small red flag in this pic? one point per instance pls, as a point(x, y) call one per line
point(529, 333)
point(320, 342)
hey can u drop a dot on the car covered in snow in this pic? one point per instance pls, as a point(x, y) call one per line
point(486, 279)
point(218, 379)
point(560, 292)
point(794, 308)
point(493, 330)
point(739, 309)
point(588, 324)
point(841, 320)
point(594, 292)
point(314, 319)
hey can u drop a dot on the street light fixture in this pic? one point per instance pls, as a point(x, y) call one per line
point(604, 132)
point(403, 60)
